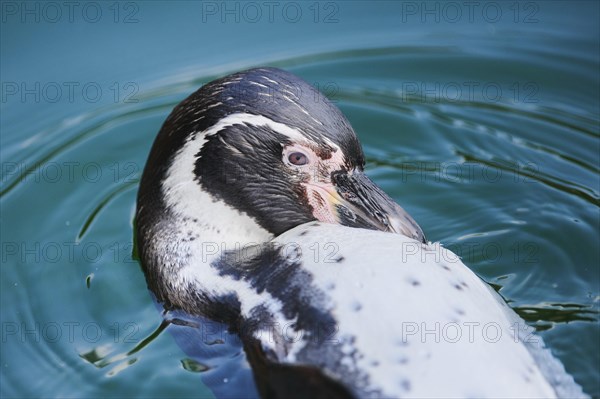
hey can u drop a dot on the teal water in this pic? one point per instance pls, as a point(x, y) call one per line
point(482, 122)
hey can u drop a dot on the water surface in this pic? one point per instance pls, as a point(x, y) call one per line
point(485, 127)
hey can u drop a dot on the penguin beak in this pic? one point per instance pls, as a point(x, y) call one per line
point(358, 202)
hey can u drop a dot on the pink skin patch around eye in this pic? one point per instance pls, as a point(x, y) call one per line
point(321, 193)
point(323, 209)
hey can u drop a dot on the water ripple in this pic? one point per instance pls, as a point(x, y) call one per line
point(568, 187)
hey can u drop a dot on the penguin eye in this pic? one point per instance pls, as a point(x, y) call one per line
point(298, 158)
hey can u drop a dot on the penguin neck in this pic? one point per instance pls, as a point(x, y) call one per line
point(206, 227)
point(182, 236)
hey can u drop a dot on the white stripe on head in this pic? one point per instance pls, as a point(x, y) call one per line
point(186, 198)
point(241, 118)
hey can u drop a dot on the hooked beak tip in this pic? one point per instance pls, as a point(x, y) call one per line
point(361, 203)
point(406, 225)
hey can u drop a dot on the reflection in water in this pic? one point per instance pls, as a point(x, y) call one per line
point(193, 365)
point(545, 316)
point(103, 356)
